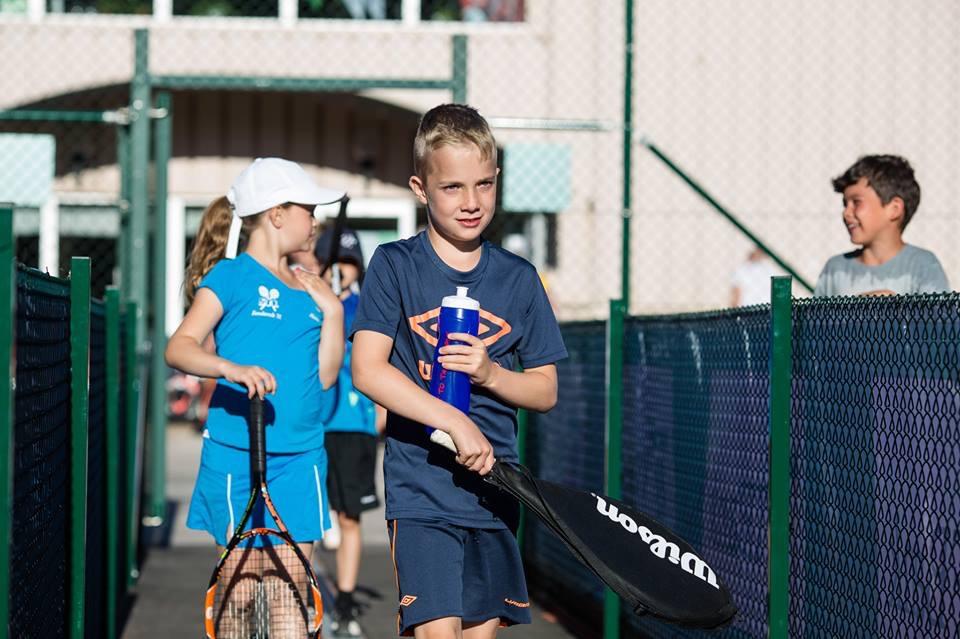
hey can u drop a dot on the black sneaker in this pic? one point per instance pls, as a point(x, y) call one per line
point(344, 622)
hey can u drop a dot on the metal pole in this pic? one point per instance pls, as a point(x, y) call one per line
point(131, 386)
point(139, 166)
point(458, 78)
point(114, 551)
point(613, 459)
point(8, 293)
point(79, 424)
point(781, 365)
point(123, 208)
point(157, 498)
point(724, 212)
point(627, 155)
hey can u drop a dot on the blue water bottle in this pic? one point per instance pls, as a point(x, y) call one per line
point(458, 314)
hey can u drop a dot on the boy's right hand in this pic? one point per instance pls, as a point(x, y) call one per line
point(474, 451)
point(258, 380)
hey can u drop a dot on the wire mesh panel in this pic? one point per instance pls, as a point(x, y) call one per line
point(78, 213)
point(758, 103)
point(566, 446)
point(38, 605)
point(695, 421)
point(876, 463)
point(96, 549)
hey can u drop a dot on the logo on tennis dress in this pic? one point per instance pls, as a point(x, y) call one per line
point(269, 304)
point(407, 600)
point(659, 546)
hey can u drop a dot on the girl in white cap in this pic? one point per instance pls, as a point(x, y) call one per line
point(279, 335)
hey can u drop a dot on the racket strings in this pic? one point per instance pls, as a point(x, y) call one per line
point(262, 592)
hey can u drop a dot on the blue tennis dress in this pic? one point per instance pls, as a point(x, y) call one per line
point(267, 324)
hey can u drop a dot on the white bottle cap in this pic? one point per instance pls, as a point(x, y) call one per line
point(460, 300)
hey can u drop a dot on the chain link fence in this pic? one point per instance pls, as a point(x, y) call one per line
point(755, 103)
point(874, 440)
point(763, 104)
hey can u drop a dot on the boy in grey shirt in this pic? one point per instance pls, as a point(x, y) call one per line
point(880, 196)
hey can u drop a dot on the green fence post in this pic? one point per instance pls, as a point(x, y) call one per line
point(139, 167)
point(613, 462)
point(781, 373)
point(123, 207)
point(79, 418)
point(113, 456)
point(458, 76)
point(8, 292)
point(132, 389)
point(163, 138)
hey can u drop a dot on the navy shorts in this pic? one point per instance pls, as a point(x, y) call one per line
point(450, 571)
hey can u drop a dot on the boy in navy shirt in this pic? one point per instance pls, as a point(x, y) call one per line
point(452, 535)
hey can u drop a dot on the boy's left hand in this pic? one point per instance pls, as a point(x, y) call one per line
point(470, 358)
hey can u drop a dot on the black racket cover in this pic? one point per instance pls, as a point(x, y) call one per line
point(650, 567)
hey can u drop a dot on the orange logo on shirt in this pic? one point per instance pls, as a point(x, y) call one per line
point(518, 604)
point(407, 600)
point(492, 328)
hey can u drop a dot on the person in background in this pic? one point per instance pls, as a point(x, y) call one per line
point(880, 197)
point(351, 438)
point(751, 280)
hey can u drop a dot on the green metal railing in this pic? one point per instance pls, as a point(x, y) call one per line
point(80, 412)
point(781, 328)
point(613, 461)
point(8, 300)
point(44, 295)
point(722, 210)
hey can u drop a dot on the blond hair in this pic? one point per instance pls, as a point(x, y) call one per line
point(209, 244)
point(448, 125)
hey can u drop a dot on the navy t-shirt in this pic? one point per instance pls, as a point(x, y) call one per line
point(402, 292)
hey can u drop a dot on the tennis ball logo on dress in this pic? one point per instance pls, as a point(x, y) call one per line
point(659, 546)
point(269, 303)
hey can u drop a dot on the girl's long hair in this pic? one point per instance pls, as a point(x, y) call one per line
point(209, 244)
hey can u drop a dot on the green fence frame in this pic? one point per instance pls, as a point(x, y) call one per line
point(113, 457)
point(613, 436)
point(8, 292)
point(79, 424)
point(781, 366)
point(80, 326)
point(131, 388)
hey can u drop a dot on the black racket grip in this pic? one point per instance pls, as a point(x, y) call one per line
point(258, 443)
point(333, 255)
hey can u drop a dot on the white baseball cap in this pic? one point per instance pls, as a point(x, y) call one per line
point(270, 182)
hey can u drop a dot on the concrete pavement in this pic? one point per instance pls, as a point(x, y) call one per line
point(169, 596)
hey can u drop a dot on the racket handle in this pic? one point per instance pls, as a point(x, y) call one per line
point(443, 439)
point(258, 445)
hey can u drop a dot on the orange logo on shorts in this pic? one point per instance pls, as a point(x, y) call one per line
point(407, 600)
point(518, 604)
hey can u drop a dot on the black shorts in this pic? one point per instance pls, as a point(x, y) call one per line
point(351, 466)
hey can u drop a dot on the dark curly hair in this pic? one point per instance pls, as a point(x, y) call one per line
point(890, 176)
